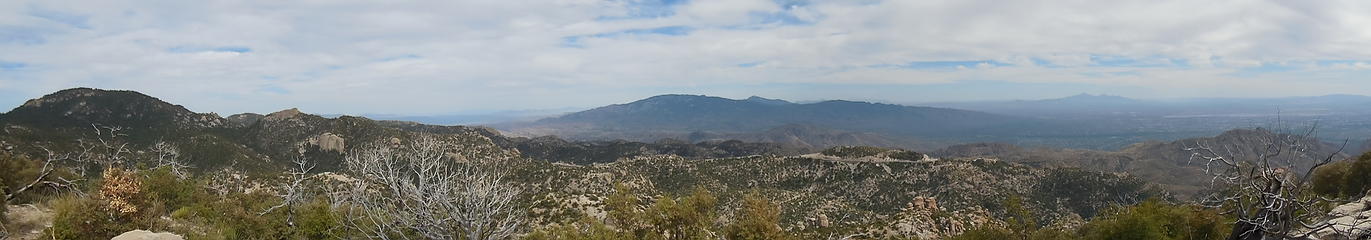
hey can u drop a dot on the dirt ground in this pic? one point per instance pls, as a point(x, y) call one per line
point(27, 221)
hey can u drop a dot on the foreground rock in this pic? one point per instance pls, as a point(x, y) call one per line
point(1350, 221)
point(146, 235)
point(27, 221)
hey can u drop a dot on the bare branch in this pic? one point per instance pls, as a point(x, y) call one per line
point(420, 188)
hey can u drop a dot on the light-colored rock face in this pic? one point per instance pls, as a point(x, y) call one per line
point(1350, 221)
point(330, 142)
point(146, 235)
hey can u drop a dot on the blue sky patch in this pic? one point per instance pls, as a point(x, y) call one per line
point(4, 65)
point(21, 35)
point(1121, 61)
point(646, 9)
point(575, 41)
point(73, 20)
point(193, 49)
point(947, 65)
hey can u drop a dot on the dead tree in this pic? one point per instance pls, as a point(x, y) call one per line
point(1262, 187)
point(48, 177)
point(293, 193)
point(168, 156)
point(421, 189)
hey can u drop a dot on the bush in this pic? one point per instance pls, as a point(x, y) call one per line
point(586, 228)
point(316, 220)
point(16, 171)
point(4, 208)
point(690, 217)
point(87, 218)
point(1086, 192)
point(853, 151)
point(236, 216)
point(759, 219)
point(170, 190)
point(1153, 219)
point(907, 155)
point(1344, 178)
point(1020, 223)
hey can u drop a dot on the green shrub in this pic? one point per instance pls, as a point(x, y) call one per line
point(238, 216)
point(1153, 219)
point(1020, 223)
point(690, 217)
point(1087, 192)
point(759, 219)
point(1344, 178)
point(853, 151)
point(171, 191)
point(316, 220)
point(86, 218)
point(907, 155)
point(586, 228)
point(17, 171)
point(4, 209)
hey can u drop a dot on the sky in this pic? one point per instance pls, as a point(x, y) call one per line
point(439, 57)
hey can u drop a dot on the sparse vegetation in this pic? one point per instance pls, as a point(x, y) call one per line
point(1351, 178)
point(1153, 219)
point(759, 219)
point(854, 151)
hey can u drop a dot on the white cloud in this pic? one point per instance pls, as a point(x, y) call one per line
point(431, 56)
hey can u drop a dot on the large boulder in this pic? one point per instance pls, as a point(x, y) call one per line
point(329, 142)
point(146, 235)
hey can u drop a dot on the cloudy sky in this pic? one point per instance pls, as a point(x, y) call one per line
point(432, 57)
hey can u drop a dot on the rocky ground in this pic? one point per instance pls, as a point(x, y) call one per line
point(1349, 221)
point(27, 221)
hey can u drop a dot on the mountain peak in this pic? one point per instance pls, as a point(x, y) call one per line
point(283, 114)
point(79, 107)
point(768, 101)
point(75, 93)
point(678, 97)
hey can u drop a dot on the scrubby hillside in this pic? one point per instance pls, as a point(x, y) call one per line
point(1167, 164)
point(928, 199)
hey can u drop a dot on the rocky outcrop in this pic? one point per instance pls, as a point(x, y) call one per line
point(243, 120)
point(146, 235)
point(282, 115)
point(329, 142)
point(1349, 221)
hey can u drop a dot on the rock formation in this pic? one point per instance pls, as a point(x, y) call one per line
point(146, 235)
point(1349, 221)
point(329, 142)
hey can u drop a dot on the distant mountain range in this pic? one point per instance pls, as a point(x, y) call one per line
point(1087, 105)
point(820, 124)
point(1101, 122)
point(1165, 163)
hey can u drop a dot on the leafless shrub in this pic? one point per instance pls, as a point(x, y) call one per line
point(293, 193)
point(420, 189)
point(1256, 181)
point(168, 156)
